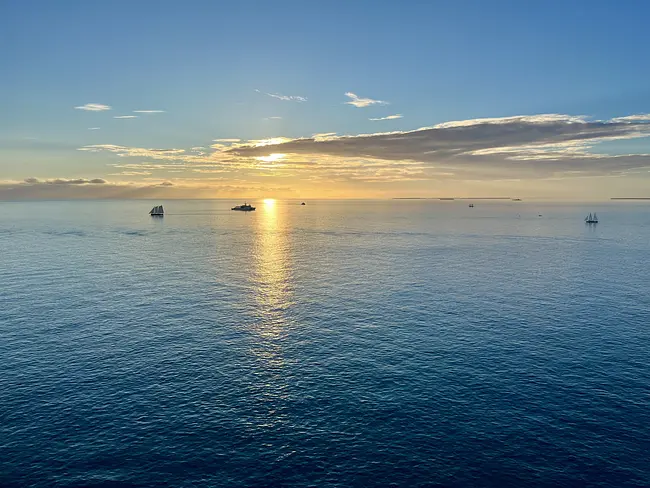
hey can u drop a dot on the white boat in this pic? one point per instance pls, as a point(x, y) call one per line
point(157, 211)
point(591, 219)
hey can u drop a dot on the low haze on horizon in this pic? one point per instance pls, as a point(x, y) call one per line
point(345, 100)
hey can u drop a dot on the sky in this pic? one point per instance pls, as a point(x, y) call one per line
point(339, 99)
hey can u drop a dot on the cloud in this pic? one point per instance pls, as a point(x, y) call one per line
point(94, 107)
point(226, 140)
point(138, 151)
point(94, 128)
point(529, 119)
point(149, 111)
point(495, 149)
point(287, 98)
point(131, 173)
point(61, 188)
point(63, 181)
point(273, 118)
point(324, 136)
point(539, 145)
point(362, 102)
point(125, 117)
point(389, 117)
point(633, 118)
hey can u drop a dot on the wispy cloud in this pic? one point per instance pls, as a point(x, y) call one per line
point(362, 102)
point(149, 111)
point(94, 107)
point(274, 118)
point(287, 98)
point(94, 128)
point(389, 117)
point(125, 117)
point(324, 136)
point(540, 119)
point(226, 140)
point(131, 173)
point(135, 151)
point(633, 118)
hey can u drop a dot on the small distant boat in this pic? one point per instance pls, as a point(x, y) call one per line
point(471, 205)
point(157, 211)
point(516, 199)
point(244, 208)
point(302, 203)
point(591, 219)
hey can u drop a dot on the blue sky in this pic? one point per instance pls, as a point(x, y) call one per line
point(211, 65)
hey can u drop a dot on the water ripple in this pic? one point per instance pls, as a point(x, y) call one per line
point(387, 344)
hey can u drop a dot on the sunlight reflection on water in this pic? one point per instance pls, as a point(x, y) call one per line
point(274, 297)
point(272, 272)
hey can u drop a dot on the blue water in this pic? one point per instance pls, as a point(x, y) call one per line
point(386, 343)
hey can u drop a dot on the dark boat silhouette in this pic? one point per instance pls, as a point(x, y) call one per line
point(244, 208)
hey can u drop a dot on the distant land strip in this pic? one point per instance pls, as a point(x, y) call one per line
point(630, 198)
point(453, 198)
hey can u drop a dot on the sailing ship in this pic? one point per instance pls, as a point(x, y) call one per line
point(157, 211)
point(244, 208)
point(591, 219)
point(471, 205)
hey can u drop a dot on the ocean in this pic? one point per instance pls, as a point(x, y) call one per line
point(411, 343)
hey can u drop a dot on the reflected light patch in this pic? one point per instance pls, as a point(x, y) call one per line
point(269, 202)
point(271, 157)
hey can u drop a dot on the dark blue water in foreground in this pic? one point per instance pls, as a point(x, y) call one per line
point(398, 343)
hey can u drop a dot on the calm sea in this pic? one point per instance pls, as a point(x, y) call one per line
point(343, 344)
